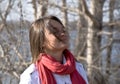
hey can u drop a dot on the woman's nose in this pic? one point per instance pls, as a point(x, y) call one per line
point(62, 34)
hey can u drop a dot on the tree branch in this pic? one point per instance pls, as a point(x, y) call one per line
point(87, 13)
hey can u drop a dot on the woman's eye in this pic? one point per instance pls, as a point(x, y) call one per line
point(64, 30)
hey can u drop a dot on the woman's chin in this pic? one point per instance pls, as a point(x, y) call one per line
point(65, 46)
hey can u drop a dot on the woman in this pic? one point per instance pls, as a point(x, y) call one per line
point(52, 61)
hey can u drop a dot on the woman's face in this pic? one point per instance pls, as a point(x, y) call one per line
point(57, 41)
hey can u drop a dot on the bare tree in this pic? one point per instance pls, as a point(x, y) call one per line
point(94, 26)
point(110, 38)
point(4, 14)
point(94, 19)
point(65, 18)
point(42, 8)
point(34, 3)
point(80, 46)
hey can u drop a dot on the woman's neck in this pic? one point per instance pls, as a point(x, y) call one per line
point(58, 55)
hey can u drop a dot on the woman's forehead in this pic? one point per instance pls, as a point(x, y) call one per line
point(55, 23)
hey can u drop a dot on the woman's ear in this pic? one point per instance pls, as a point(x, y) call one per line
point(43, 45)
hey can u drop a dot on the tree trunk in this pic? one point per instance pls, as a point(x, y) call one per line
point(42, 8)
point(34, 8)
point(1, 51)
point(65, 18)
point(80, 46)
point(93, 40)
point(109, 48)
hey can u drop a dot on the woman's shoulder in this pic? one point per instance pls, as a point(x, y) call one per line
point(80, 68)
point(81, 71)
point(78, 64)
point(30, 69)
point(25, 77)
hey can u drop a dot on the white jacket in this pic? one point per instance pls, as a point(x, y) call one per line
point(30, 75)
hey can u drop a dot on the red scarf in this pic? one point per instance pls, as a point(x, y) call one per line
point(48, 65)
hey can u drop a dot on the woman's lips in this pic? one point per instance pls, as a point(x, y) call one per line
point(64, 39)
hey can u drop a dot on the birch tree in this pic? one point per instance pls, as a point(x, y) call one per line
point(94, 26)
point(94, 19)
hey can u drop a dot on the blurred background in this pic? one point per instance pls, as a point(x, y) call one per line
point(93, 25)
